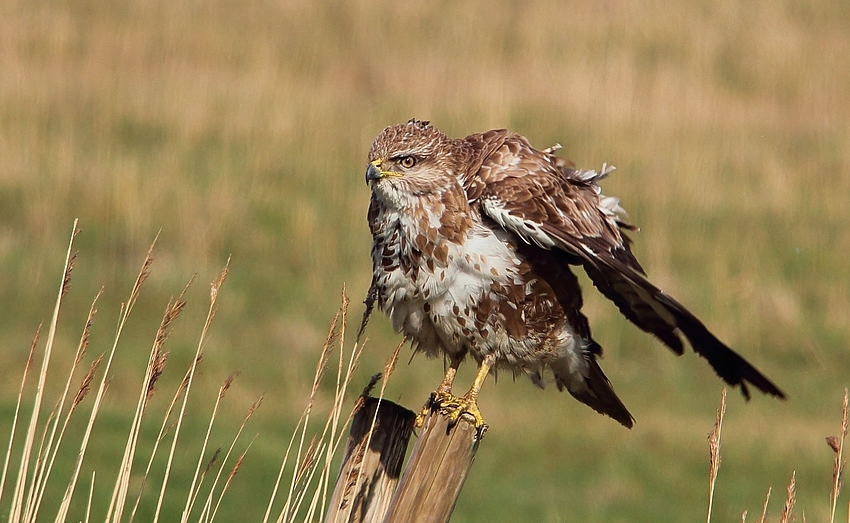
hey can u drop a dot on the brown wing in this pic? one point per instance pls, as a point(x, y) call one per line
point(596, 391)
point(531, 194)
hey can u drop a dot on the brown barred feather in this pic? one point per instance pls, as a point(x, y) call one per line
point(473, 243)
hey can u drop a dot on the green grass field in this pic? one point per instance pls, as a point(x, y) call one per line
point(241, 129)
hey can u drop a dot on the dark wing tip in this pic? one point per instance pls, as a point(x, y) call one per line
point(727, 363)
point(760, 381)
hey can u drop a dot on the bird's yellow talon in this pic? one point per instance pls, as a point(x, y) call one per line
point(454, 408)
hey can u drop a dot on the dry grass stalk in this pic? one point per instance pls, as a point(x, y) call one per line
point(302, 424)
point(306, 464)
point(156, 364)
point(85, 337)
point(311, 461)
point(39, 465)
point(82, 392)
point(69, 268)
point(157, 368)
point(18, 409)
point(30, 488)
point(837, 445)
point(164, 429)
point(208, 503)
point(229, 480)
point(763, 518)
point(213, 461)
point(788, 510)
point(306, 475)
point(227, 383)
point(91, 495)
point(320, 496)
point(21, 482)
point(124, 314)
point(389, 367)
point(336, 410)
point(328, 441)
point(341, 383)
point(85, 384)
point(187, 386)
point(337, 432)
point(714, 452)
point(197, 479)
point(321, 368)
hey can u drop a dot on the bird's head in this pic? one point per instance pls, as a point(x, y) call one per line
point(412, 158)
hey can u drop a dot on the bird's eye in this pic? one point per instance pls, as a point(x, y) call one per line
point(407, 161)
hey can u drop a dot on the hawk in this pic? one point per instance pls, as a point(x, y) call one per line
point(474, 243)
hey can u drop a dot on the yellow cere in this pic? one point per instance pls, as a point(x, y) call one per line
point(377, 163)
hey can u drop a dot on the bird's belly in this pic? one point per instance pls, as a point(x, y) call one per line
point(472, 304)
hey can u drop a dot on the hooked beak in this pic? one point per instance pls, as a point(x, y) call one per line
point(372, 173)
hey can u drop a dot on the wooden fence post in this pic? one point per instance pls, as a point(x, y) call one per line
point(368, 477)
point(434, 476)
point(368, 489)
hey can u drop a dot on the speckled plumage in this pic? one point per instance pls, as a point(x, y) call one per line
point(473, 243)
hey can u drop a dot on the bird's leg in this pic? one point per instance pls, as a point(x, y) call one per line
point(443, 392)
point(468, 404)
point(449, 379)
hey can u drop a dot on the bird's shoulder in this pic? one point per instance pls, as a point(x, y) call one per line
point(545, 199)
point(504, 170)
point(501, 158)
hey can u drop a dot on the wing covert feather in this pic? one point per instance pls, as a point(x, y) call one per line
point(535, 196)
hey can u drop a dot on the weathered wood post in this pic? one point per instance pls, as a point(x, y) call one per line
point(368, 489)
point(434, 476)
point(368, 476)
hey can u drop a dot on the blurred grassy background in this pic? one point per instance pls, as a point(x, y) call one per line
point(241, 127)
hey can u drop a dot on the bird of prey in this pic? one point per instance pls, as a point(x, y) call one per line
point(474, 243)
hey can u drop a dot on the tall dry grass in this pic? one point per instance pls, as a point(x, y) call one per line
point(308, 461)
point(309, 456)
point(786, 514)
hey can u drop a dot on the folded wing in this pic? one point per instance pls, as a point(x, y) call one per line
point(549, 204)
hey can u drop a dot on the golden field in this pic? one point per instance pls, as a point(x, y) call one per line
point(241, 129)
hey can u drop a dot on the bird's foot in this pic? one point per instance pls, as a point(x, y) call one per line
point(454, 408)
point(437, 398)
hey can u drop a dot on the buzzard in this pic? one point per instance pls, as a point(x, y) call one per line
point(474, 240)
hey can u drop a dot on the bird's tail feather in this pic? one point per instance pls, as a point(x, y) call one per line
point(592, 388)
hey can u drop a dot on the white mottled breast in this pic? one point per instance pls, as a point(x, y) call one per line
point(457, 306)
